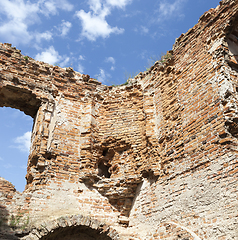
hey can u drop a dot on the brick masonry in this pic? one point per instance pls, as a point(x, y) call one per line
point(154, 159)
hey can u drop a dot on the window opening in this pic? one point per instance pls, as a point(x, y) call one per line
point(15, 133)
point(103, 170)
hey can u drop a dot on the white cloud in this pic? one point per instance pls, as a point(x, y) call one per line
point(103, 76)
point(46, 36)
point(119, 3)
point(64, 5)
point(23, 142)
point(81, 57)
point(19, 10)
point(65, 62)
point(144, 29)
point(15, 32)
point(19, 15)
point(50, 56)
point(65, 27)
point(94, 24)
point(80, 68)
point(111, 60)
point(95, 5)
point(168, 10)
point(50, 7)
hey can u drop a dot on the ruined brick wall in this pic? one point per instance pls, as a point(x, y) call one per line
point(154, 159)
point(195, 134)
point(61, 159)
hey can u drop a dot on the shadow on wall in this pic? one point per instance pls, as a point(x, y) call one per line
point(75, 233)
point(60, 233)
point(5, 231)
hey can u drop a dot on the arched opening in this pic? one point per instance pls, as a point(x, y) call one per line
point(15, 129)
point(76, 233)
point(72, 227)
point(232, 41)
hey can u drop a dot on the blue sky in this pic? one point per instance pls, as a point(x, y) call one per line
point(110, 40)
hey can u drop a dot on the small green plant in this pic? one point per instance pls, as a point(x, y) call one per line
point(162, 59)
point(125, 83)
point(130, 75)
point(26, 58)
point(26, 223)
point(165, 57)
point(13, 221)
point(19, 220)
